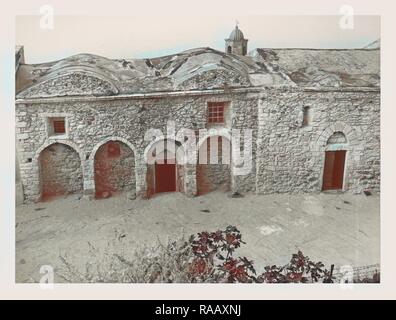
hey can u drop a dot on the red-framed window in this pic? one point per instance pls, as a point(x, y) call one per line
point(216, 112)
point(59, 126)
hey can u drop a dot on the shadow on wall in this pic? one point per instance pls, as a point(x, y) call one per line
point(216, 173)
point(60, 171)
point(114, 169)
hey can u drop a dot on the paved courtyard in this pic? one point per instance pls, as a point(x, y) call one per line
point(332, 228)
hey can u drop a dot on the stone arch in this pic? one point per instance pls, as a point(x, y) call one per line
point(181, 156)
point(79, 80)
point(350, 134)
point(215, 132)
point(214, 165)
point(338, 136)
point(69, 143)
point(60, 169)
point(165, 162)
point(113, 138)
point(113, 163)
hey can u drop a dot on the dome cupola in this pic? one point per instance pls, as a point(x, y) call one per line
point(236, 42)
point(236, 34)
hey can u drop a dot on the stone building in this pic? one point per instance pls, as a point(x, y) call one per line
point(313, 116)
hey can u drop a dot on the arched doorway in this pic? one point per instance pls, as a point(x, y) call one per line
point(164, 171)
point(114, 168)
point(60, 171)
point(334, 165)
point(214, 165)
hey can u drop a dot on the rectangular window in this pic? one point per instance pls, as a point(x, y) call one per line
point(57, 126)
point(216, 112)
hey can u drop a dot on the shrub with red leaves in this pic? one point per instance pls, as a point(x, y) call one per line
point(213, 258)
point(215, 250)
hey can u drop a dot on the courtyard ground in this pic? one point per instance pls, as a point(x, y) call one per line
point(336, 229)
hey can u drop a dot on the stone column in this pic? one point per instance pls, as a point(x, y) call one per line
point(89, 178)
point(141, 181)
point(190, 180)
point(18, 183)
point(30, 180)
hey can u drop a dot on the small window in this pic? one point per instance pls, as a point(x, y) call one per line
point(306, 116)
point(216, 112)
point(57, 126)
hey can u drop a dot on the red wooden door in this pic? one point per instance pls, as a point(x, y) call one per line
point(333, 174)
point(165, 176)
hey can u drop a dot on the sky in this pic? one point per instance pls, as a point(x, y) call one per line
point(154, 36)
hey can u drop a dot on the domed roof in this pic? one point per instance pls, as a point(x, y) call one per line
point(236, 34)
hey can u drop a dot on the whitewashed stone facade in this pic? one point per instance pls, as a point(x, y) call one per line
point(292, 156)
point(105, 100)
point(91, 124)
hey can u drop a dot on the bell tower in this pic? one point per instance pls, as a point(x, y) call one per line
point(236, 42)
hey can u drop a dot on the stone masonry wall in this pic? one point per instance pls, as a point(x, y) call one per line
point(211, 177)
point(288, 156)
point(60, 171)
point(114, 169)
point(291, 156)
point(215, 173)
point(91, 124)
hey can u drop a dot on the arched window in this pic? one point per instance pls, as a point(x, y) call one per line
point(229, 49)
